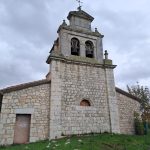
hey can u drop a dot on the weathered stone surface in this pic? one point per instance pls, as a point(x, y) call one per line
point(71, 83)
point(127, 106)
point(34, 101)
point(66, 36)
point(112, 101)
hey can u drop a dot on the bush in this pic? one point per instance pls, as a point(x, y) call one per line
point(139, 126)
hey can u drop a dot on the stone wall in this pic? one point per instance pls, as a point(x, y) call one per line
point(72, 83)
point(127, 106)
point(34, 101)
point(65, 37)
point(80, 23)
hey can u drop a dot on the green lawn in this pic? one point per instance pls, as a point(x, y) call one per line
point(89, 142)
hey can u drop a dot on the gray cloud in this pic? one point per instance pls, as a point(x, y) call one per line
point(28, 29)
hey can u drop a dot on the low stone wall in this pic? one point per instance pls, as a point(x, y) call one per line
point(127, 106)
point(34, 101)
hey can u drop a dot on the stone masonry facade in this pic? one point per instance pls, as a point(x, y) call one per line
point(127, 107)
point(70, 118)
point(66, 34)
point(77, 82)
point(33, 100)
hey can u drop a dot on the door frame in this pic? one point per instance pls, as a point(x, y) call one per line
point(28, 129)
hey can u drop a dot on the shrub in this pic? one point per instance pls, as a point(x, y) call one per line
point(139, 126)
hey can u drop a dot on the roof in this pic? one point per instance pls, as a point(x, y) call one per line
point(23, 86)
point(127, 94)
point(80, 13)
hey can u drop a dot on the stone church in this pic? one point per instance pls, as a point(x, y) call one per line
point(78, 95)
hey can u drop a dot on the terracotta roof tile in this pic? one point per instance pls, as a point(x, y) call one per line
point(127, 94)
point(24, 86)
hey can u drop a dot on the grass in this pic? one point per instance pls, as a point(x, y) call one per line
point(89, 142)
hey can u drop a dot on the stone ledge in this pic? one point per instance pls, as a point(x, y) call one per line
point(79, 60)
point(80, 31)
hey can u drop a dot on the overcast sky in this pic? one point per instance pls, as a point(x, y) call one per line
point(29, 27)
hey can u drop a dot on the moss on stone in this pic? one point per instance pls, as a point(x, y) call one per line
point(107, 61)
point(83, 59)
point(56, 54)
point(75, 58)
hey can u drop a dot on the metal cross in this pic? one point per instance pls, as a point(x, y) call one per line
point(79, 1)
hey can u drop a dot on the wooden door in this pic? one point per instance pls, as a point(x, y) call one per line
point(22, 129)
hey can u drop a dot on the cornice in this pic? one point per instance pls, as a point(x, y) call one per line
point(81, 61)
point(69, 28)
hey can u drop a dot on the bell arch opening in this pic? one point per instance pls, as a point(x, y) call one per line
point(75, 47)
point(89, 48)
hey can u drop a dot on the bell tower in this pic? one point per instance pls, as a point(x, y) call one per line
point(79, 74)
point(77, 38)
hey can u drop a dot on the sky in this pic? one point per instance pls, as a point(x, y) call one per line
point(28, 29)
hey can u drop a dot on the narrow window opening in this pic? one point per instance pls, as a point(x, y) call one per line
point(75, 47)
point(85, 103)
point(89, 49)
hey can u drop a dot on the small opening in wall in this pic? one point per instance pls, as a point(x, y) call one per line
point(85, 103)
point(1, 98)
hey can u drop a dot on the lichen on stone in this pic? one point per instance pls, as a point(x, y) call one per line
point(83, 59)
